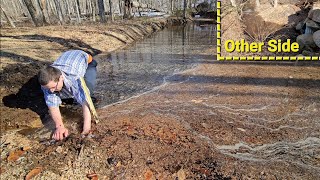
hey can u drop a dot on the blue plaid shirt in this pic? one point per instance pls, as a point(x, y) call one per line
point(73, 65)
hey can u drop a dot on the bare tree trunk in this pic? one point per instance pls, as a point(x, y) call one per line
point(120, 7)
point(25, 9)
point(185, 9)
point(127, 9)
point(88, 7)
point(43, 6)
point(275, 3)
point(53, 11)
point(68, 9)
point(33, 12)
point(171, 5)
point(111, 10)
point(78, 6)
point(59, 11)
point(9, 20)
point(78, 13)
point(93, 5)
point(14, 7)
point(85, 7)
point(102, 13)
point(51, 8)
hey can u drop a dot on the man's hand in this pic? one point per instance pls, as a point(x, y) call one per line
point(60, 133)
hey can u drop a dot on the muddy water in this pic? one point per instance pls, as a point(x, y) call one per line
point(149, 62)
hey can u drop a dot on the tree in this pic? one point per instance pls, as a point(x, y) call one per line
point(111, 10)
point(59, 11)
point(102, 13)
point(43, 6)
point(8, 18)
point(171, 6)
point(36, 15)
point(275, 3)
point(185, 9)
point(127, 9)
point(93, 5)
point(78, 12)
point(120, 6)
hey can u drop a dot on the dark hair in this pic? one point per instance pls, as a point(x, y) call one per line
point(47, 74)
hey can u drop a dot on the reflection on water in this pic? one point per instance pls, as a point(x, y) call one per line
point(144, 65)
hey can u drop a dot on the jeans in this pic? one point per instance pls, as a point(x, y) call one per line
point(91, 76)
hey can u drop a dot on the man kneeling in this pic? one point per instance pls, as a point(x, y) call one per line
point(62, 80)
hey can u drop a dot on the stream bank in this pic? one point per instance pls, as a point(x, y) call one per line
point(25, 50)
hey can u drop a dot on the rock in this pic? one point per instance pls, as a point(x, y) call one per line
point(59, 149)
point(299, 26)
point(112, 161)
point(316, 38)
point(313, 25)
point(118, 164)
point(305, 41)
point(149, 162)
point(181, 174)
point(314, 15)
point(197, 101)
point(241, 129)
point(205, 125)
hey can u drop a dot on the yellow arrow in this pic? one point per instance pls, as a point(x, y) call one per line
point(89, 100)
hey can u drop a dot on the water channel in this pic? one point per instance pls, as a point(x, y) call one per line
point(149, 62)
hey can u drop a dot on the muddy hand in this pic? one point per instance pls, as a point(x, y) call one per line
point(60, 133)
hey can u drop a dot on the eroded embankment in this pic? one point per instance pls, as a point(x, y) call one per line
point(25, 50)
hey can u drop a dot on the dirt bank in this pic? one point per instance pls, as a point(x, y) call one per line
point(25, 50)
